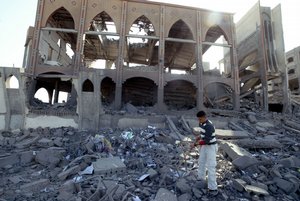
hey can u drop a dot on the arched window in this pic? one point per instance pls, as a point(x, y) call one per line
point(87, 86)
point(100, 50)
point(12, 82)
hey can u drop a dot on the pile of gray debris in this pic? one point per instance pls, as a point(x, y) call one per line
point(258, 159)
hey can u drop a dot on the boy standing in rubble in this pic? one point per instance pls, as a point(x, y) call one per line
point(207, 152)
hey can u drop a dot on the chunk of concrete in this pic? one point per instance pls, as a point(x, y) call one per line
point(165, 195)
point(230, 134)
point(9, 160)
point(66, 190)
point(183, 186)
point(291, 161)
point(109, 166)
point(184, 197)
point(244, 162)
point(45, 142)
point(35, 186)
point(27, 142)
point(71, 171)
point(286, 186)
point(234, 151)
point(239, 184)
point(26, 157)
point(48, 157)
point(256, 190)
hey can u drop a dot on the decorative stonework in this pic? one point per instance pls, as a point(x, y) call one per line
point(74, 3)
point(94, 5)
point(114, 7)
point(52, 1)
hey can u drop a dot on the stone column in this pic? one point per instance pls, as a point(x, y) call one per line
point(161, 60)
point(119, 67)
point(235, 68)
point(199, 64)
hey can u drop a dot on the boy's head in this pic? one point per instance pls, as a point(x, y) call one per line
point(201, 116)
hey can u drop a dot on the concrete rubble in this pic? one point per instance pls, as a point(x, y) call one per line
point(258, 159)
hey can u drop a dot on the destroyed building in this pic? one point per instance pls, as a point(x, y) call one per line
point(261, 58)
point(123, 80)
point(293, 67)
point(106, 54)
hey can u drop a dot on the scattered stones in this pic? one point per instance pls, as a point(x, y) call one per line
point(256, 162)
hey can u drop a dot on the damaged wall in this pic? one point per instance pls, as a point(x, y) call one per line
point(261, 56)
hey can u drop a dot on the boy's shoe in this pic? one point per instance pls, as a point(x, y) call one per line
point(212, 193)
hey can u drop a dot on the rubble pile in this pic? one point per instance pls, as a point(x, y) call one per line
point(258, 159)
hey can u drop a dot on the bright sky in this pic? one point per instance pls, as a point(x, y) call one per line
point(17, 15)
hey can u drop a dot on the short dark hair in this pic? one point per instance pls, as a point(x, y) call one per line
point(201, 114)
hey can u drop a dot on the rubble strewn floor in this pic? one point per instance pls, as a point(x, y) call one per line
point(260, 160)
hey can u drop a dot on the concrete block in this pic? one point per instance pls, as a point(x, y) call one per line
point(36, 185)
point(234, 151)
point(291, 161)
point(26, 157)
point(165, 195)
point(239, 184)
point(184, 197)
point(132, 123)
point(286, 186)
point(9, 160)
point(243, 162)
point(27, 142)
point(183, 186)
point(44, 142)
point(230, 134)
point(109, 166)
point(256, 190)
point(71, 171)
point(66, 190)
point(48, 157)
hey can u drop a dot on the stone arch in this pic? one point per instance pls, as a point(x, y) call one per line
point(62, 17)
point(214, 32)
point(180, 95)
point(145, 24)
point(42, 94)
point(96, 52)
point(139, 91)
point(87, 86)
point(108, 90)
point(180, 27)
point(12, 82)
point(91, 17)
point(102, 19)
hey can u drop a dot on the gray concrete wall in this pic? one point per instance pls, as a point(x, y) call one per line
point(49, 121)
point(248, 23)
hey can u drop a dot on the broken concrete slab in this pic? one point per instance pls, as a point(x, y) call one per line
point(27, 142)
point(48, 157)
point(108, 166)
point(183, 186)
point(165, 195)
point(230, 134)
point(287, 186)
point(239, 184)
point(256, 190)
point(244, 162)
point(289, 162)
point(259, 143)
point(45, 142)
point(71, 171)
point(233, 151)
point(35, 186)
